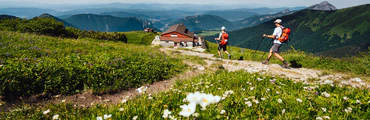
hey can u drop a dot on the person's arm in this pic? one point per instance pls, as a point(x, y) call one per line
point(219, 37)
point(273, 36)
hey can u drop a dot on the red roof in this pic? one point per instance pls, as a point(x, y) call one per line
point(180, 28)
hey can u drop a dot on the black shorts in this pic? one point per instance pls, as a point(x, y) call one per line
point(275, 48)
point(222, 47)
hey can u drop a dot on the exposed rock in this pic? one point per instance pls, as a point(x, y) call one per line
point(325, 6)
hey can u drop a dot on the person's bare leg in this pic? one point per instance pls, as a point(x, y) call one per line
point(219, 53)
point(270, 55)
point(278, 56)
point(226, 52)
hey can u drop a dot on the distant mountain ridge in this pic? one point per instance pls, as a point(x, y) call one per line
point(203, 22)
point(326, 6)
point(45, 15)
point(107, 23)
point(2, 17)
point(26, 12)
point(232, 15)
point(258, 19)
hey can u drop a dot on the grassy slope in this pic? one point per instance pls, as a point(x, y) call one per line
point(246, 87)
point(38, 64)
point(139, 37)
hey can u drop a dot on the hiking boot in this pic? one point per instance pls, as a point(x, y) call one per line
point(285, 65)
point(265, 62)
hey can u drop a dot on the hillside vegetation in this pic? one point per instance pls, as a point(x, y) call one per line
point(140, 37)
point(51, 27)
point(32, 64)
point(226, 95)
point(313, 31)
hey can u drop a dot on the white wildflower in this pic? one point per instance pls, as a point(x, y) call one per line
point(280, 100)
point(326, 117)
point(252, 88)
point(277, 92)
point(358, 101)
point(63, 101)
point(56, 117)
point(263, 99)
point(256, 101)
point(121, 109)
point(249, 103)
point(207, 86)
point(243, 89)
point(323, 109)
point(268, 89)
point(134, 118)
point(229, 92)
point(216, 99)
point(222, 112)
point(223, 98)
point(325, 94)
point(246, 99)
point(259, 79)
point(219, 88)
point(348, 110)
point(99, 118)
point(166, 113)
point(187, 110)
point(107, 116)
point(196, 114)
point(46, 112)
point(299, 100)
point(124, 101)
point(319, 118)
point(142, 89)
point(206, 99)
point(194, 97)
point(345, 98)
point(282, 112)
point(172, 117)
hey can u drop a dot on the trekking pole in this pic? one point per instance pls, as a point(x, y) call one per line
point(267, 49)
point(254, 54)
point(230, 50)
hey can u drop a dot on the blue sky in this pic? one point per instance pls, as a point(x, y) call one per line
point(268, 3)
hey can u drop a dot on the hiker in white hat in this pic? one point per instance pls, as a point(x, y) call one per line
point(224, 37)
point(277, 44)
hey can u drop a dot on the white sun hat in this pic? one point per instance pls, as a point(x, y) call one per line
point(223, 28)
point(278, 21)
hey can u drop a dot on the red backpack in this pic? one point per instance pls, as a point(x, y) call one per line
point(224, 37)
point(285, 36)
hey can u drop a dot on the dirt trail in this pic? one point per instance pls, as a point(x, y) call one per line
point(297, 74)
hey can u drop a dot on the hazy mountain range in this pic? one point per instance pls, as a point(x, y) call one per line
point(315, 31)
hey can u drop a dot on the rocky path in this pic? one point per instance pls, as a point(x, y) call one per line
point(297, 74)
